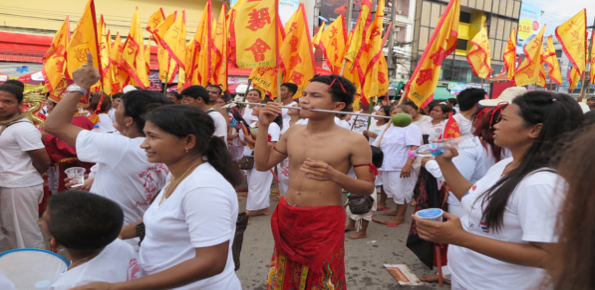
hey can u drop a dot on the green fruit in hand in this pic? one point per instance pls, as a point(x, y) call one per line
point(402, 120)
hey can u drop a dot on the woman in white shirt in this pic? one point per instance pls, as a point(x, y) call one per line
point(259, 182)
point(191, 224)
point(104, 121)
point(505, 239)
point(413, 110)
point(398, 175)
point(377, 127)
point(434, 127)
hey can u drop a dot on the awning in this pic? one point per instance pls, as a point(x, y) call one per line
point(442, 93)
point(34, 78)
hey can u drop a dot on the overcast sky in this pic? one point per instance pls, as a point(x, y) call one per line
point(557, 12)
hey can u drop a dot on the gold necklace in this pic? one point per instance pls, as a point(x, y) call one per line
point(169, 190)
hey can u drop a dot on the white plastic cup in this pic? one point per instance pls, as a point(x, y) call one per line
point(43, 284)
point(431, 214)
point(77, 174)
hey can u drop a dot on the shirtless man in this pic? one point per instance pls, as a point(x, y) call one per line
point(308, 224)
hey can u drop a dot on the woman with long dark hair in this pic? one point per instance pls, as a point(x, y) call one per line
point(504, 240)
point(190, 226)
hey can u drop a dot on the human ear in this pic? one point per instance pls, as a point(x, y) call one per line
point(340, 106)
point(54, 245)
point(190, 141)
point(534, 133)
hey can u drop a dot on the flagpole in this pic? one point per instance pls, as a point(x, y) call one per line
point(583, 85)
point(343, 66)
point(165, 84)
point(278, 85)
point(241, 106)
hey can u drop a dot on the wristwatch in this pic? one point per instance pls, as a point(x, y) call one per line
point(75, 88)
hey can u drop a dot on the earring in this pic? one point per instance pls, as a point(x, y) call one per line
point(186, 150)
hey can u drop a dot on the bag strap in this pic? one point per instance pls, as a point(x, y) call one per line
point(382, 136)
point(12, 123)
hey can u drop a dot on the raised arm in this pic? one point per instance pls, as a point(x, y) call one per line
point(59, 123)
point(266, 157)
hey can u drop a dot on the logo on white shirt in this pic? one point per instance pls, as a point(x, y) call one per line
point(484, 227)
point(133, 271)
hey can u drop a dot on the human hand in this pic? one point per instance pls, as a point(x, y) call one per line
point(425, 160)
point(449, 232)
point(85, 187)
point(448, 154)
point(248, 138)
point(318, 170)
point(95, 286)
point(365, 133)
point(372, 135)
point(86, 75)
point(406, 171)
point(268, 114)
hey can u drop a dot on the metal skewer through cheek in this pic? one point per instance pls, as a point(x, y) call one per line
point(318, 110)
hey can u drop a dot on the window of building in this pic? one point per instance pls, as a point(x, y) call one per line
point(465, 17)
point(462, 44)
point(558, 53)
point(460, 71)
point(403, 7)
point(400, 34)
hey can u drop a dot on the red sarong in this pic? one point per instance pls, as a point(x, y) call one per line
point(309, 248)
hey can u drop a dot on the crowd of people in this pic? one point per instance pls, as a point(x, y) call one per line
point(158, 208)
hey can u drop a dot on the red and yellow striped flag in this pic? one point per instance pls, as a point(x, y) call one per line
point(84, 39)
point(133, 56)
point(375, 81)
point(510, 56)
point(296, 52)
point(422, 84)
point(479, 56)
point(333, 43)
point(198, 52)
point(551, 60)
point(255, 31)
point(529, 70)
point(219, 54)
point(55, 58)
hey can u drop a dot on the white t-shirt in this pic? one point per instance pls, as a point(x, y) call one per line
point(201, 212)
point(5, 284)
point(285, 110)
point(465, 126)
point(374, 128)
point(118, 262)
point(274, 132)
point(220, 124)
point(530, 216)
point(584, 107)
point(361, 122)
point(124, 174)
point(435, 131)
point(395, 146)
point(106, 123)
point(112, 113)
point(248, 116)
point(423, 118)
point(16, 167)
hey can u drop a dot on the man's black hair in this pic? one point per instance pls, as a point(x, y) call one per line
point(139, 102)
point(16, 83)
point(342, 89)
point(196, 92)
point(468, 98)
point(82, 221)
point(293, 88)
point(452, 101)
point(217, 87)
point(175, 94)
point(117, 96)
point(14, 90)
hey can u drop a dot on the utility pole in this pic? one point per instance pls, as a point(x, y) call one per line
point(391, 38)
point(349, 14)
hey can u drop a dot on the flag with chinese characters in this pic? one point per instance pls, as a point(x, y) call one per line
point(551, 60)
point(133, 55)
point(296, 52)
point(358, 51)
point(111, 82)
point(148, 54)
point(84, 39)
point(198, 52)
point(174, 40)
point(54, 59)
point(167, 65)
point(530, 69)
point(422, 84)
point(231, 40)
point(510, 56)
point(333, 43)
point(451, 129)
point(479, 56)
point(592, 60)
point(255, 31)
point(154, 21)
point(219, 54)
point(573, 39)
point(104, 41)
point(317, 37)
point(118, 70)
point(374, 81)
point(265, 78)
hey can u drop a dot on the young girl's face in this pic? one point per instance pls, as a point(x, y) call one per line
point(437, 113)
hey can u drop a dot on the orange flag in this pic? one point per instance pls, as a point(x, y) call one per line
point(111, 82)
point(451, 129)
point(147, 49)
point(551, 60)
point(372, 85)
point(103, 38)
point(592, 73)
point(174, 40)
point(255, 30)
point(479, 56)
point(198, 53)
point(317, 37)
point(167, 65)
point(296, 52)
point(573, 38)
point(55, 57)
point(265, 78)
point(157, 18)
point(333, 43)
point(231, 40)
point(219, 54)
point(359, 32)
point(510, 56)
point(133, 56)
point(84, 39)
point(115, 58)
point(530, 68)
point(422, 84)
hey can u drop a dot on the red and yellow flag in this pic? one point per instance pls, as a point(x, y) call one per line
point(198, 52)
point(317, 37)
point(119, 72)
point(154, 21)
point(451, 129)
point(479, 56)
point(133, 56)
point(296, 52)
point(111, 82)
point(84, 39)
point(530, 68)
point(265, 78)
point(592, 60)
point(333, 43)
point(422, 84)
point(147, 49)
point(510, 56)
point(551, 60)
point(167, 65)
point(103, 38)
point(174, 40)
point(231, 40)
point(255, 31)
point(219, 54)
point(375, 82)
point(573, 38)
point(55, 58)
point(358, 51)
